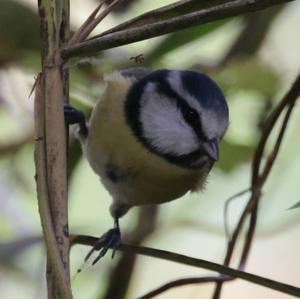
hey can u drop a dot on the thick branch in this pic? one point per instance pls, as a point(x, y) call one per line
point(53, 252)
point(51, 91)
point(173, 23)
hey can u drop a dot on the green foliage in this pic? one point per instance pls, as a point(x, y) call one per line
point(295, 206)
point(234, 155)
point(250, 74)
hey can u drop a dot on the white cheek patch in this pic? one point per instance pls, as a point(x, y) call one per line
point(163, 124)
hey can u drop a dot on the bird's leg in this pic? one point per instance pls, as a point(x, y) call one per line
point(109, 240)
point(75, 116)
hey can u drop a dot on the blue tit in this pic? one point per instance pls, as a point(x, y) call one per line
point(152, 137)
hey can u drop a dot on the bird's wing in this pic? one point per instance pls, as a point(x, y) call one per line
point(137, 73)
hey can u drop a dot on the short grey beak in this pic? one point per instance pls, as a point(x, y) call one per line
point(211, 148)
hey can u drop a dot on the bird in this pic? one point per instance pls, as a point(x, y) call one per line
point(152, 137)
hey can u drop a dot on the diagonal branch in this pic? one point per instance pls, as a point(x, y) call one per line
point(184, 282)
point(190, 261)
point(219, 10)
point(163, 13)
point(76, 37)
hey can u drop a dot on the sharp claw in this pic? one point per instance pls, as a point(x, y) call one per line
point(89, 254)
point(101, 255)
point(111, 239)
point(116, 242)
point(113, 253)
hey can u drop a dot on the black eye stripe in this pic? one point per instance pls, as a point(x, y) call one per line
point(190, 115)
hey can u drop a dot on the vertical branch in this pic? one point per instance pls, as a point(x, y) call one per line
point(56, 168)
point(64, 37)
point(50, 154)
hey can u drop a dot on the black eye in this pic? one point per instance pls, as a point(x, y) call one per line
point(191, 116)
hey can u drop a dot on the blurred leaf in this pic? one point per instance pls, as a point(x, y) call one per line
point(295, 206)
point(233, 155)
point(252, 36)
point(249, 74)
point(10, 249)
point(74, 156)
point(19, 31)
point(181, 38)
point(122, 6)
point(8, 148)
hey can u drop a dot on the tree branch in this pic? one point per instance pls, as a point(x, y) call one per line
point(53, 253)
point(215, 11)
point(186, 260)
point(91, 22)
point(184, 282)
point(50, 148)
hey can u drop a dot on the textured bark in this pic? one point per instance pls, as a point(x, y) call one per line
point(50, 157)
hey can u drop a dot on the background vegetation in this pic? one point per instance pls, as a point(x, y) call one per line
point(254, 58)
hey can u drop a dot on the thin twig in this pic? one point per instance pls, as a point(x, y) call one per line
point(76, 36)
point(290, 97)
point(183, 282)
point(92, 21)
point(271, 158)
point(162, 13)
point(249, 237)
point(226, 207)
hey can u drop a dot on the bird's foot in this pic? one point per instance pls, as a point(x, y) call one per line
point(75, 116)
point(110, 240)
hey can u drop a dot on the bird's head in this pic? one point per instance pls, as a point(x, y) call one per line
point(178, 115)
